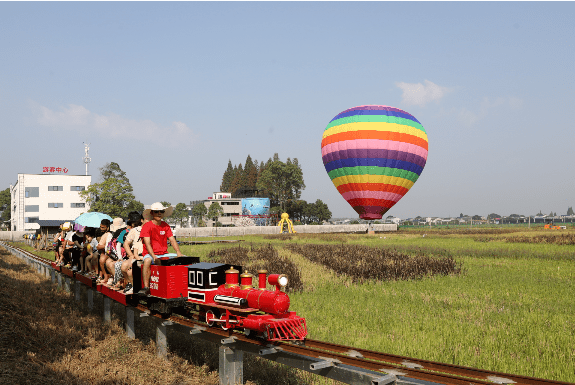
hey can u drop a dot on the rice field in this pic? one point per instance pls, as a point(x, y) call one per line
point(506, 305)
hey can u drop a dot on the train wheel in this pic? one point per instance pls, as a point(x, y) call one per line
point(211, 315)
point(223, 324)
point(247, 332)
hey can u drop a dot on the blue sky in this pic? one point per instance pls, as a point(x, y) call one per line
point(172, 91)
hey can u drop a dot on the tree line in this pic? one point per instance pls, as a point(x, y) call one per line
point(281, 182)
point(274, 179)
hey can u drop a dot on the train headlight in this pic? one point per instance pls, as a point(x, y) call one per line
point(278, 280)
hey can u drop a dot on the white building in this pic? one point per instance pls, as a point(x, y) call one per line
point(38, 198)
point(232, 208)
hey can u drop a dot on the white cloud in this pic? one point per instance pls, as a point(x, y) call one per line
point(421, 94)
point(80, 118)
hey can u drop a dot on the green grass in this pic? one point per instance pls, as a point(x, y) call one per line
point(44, 254)
point(503, 315)
point(511, 311)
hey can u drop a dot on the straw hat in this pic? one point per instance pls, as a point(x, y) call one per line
point(118, 223)
point(66, 226)
point(157, 207)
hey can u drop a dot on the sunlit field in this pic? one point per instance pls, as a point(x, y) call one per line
point(508, 309)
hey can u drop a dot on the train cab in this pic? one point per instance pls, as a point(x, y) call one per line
point(204, 278)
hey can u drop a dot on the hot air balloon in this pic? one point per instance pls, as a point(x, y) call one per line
point(374, 155)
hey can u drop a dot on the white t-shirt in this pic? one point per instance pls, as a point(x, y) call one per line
point(134, 236)
point(93, 245)
point(69, 236)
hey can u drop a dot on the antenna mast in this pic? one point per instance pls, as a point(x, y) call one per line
point(87, 158)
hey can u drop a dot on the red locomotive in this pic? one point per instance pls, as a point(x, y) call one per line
point(220, 295)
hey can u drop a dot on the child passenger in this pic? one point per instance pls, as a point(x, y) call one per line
point(134, 248)
point(92, 253)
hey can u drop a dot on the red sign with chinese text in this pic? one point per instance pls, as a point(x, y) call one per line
point(55, 169)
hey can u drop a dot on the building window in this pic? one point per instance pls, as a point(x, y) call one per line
point(77, 205)
point(32, 192)
point(77, 188)
point(31, 219)
point(55, 205)
point(55, 188)
point(32, 208)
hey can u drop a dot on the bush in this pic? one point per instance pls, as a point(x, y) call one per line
point(363, 263)
point(265, 257)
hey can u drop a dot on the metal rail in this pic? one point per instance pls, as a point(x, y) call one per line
point(343, 363)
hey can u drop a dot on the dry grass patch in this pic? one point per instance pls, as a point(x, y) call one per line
point(46, 338)
point(264, 257)
point(362, 263)
point(313, 274)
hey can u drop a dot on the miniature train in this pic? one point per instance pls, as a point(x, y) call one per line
point(219, 295)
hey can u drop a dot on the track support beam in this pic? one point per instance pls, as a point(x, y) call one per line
point(107, 309)
point(231, 365)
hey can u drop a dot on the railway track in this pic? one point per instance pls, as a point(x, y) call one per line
point(330, 354)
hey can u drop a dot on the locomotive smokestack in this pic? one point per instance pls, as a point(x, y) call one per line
point(232, 278)
point(246, 281)
point(262, 276)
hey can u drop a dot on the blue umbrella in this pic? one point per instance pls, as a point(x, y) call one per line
point(91, 219)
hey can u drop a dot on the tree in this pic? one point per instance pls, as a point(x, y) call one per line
point(215, 211)
point(5, 203)
point(250, 174)
point(135, 206)
point(113, 195)
point(199, 211)
point(295, 209)
point(476, 218)
point(227, 178)
point(180, 214)
point(321, 211)
point(493, 216)
point(570, 211)
point(281, 182)
point(237, 180)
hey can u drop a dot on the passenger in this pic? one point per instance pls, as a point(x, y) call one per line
point(117, 256)
point(155, 234)
point(104, 239)
point(58, 247)
point(91, 252)
point(76, 249)
point(134, 248)
point(95, 253)
point(111, 257)
point(67, 244)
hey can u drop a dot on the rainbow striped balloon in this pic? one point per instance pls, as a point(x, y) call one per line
point(373, 155)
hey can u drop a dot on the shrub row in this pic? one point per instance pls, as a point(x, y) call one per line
point(557, 239)
point(328, 237)
point(363, 263)
point(257, 258)
point(464, 231)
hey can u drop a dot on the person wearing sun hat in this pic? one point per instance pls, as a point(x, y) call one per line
point(155, 235)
